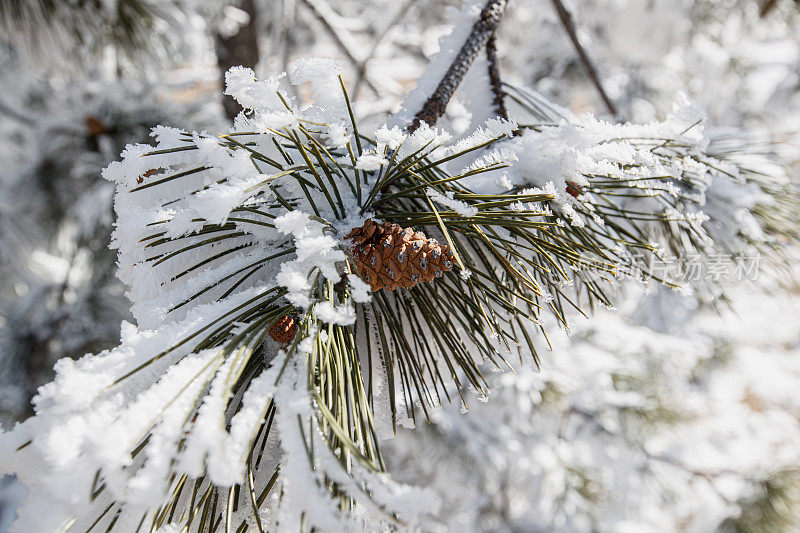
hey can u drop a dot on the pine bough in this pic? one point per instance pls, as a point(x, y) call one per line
point(198, 421)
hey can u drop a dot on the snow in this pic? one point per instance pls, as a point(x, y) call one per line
point(322, 74)
point(370, 162)
point(314, 250)
point(462, 208)
point(341, 315)
point(360, 290)
point(390, 137)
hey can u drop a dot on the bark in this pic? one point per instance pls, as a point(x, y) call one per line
point(494, 78)
point(482, 31)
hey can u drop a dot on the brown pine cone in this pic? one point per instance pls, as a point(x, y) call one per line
point(573, 188)
point(284, 329)
point(388, 256)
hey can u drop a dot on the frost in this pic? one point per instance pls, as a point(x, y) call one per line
point(207, 232)
point(462, 208)
point(423, 137)
point(494, 128)
point(264, 97)
point(314, 250)
point(337, 135)
point(606, 438)
point(326, 90)
point(392, 138)
point(369, 162)
point(498, 127)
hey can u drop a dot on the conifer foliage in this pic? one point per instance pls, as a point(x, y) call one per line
point(267, 363)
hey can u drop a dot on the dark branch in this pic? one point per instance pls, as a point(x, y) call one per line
point(482, 31)
point(494, 78)
point(569, 25)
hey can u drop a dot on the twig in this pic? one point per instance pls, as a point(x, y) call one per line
point(494, 78)
point(482, 31)
point(766, 7)
point(17, 115)
point(335, 34)
point(569, 25)
point(362, 69)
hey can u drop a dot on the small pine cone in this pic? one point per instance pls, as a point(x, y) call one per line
point(573, 188)
point(284, 329)
point(388, 256)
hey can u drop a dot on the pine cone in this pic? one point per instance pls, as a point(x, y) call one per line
point(388, 256)
point(284, 329)
point(573, 188)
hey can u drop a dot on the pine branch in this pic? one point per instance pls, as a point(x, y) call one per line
point(494, 78)
point(569, 25)
point(81, 30)
point(482, 31)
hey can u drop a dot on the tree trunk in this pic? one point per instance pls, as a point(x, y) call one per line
point(241, 48)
